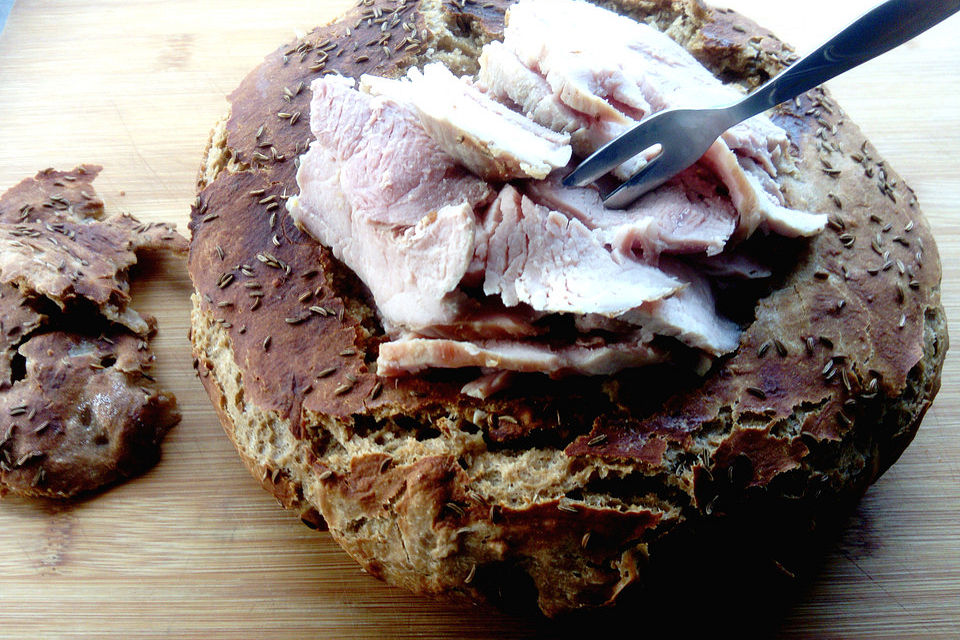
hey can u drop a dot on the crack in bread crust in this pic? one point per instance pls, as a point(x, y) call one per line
point(573, 484)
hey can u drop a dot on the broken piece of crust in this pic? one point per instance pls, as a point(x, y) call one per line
point(78, 407)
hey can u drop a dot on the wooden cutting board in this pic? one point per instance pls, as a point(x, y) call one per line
point(196, 548)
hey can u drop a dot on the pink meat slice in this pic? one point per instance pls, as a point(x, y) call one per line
point(488, 321)
point(590, 55)
point(509, 81)
point(389, 203)
point(555, 264)
point(504, 77)
point(485, 136)
point(414, 355)
point(412, 272)
point(609, 71)
point(389, 169)
point(488, 384)
point(686, 215)
point(690, 316)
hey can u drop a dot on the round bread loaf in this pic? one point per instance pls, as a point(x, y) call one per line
point(577, 486)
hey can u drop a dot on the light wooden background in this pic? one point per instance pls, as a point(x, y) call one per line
point(196, 548)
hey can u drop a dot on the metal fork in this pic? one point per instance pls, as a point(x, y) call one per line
point(684, 135)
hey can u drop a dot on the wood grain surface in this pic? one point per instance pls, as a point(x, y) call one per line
point(196, 549)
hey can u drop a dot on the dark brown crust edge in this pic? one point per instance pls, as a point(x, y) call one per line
point(825, 393)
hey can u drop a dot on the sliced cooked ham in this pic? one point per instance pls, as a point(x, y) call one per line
point(488, 384)
point(608, 72)
point(411, 238)
point(555, 264)
point(389, 169)
point(690, 316)
point(413, 272)
point(686, 215)
point(507, 80)
point(485, 136)
point(414, 355)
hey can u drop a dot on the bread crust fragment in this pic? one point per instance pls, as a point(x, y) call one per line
point(573, 483)
point(79, 407)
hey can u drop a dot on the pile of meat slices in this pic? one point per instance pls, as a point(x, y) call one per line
point(444, 195)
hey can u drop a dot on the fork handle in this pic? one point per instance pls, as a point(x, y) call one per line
point(880, 30)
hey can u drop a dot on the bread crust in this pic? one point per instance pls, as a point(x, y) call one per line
point(573, 483)
point(80, 408)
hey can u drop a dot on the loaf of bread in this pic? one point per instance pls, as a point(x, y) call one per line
point(575, 485)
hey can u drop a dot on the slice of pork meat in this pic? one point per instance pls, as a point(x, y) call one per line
point(587, 55)
point(590, 55)
point(392, 205)
point(507, 80)
point(690, 315)
point(413, 271)
point(487, 321)
point(686, 215)
point(389, 169)
point(757, 198)
point(483, 135)
point(555, 264)
point(488, 384)
point(504, 77)
point(779, 218)
point(732, 265)
point(413, 355)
